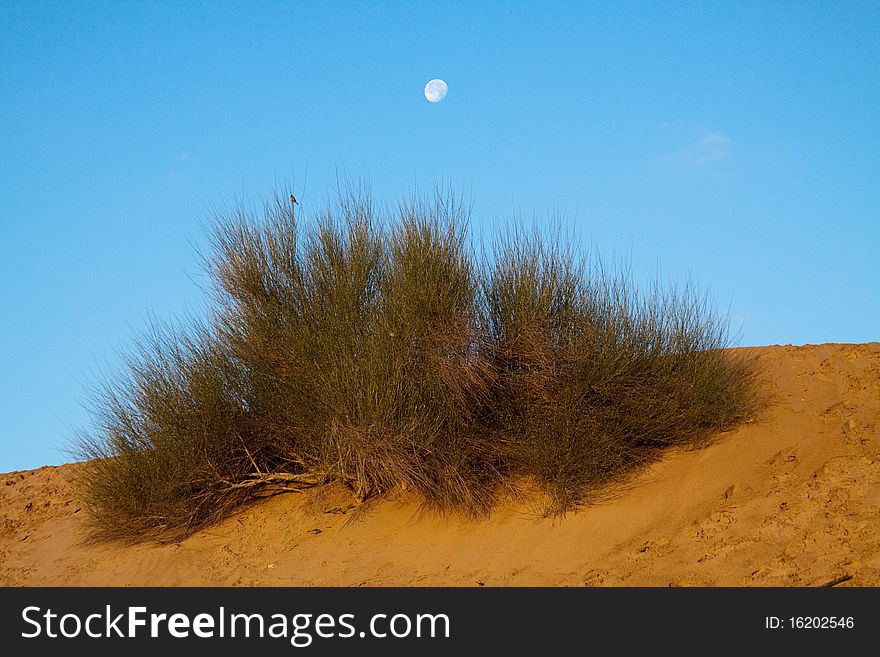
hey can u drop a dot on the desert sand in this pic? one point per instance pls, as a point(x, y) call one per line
point(792, 498)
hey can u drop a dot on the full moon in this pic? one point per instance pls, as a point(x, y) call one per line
point(435, 91)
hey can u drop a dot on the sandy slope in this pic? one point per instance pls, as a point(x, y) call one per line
point(790, 499)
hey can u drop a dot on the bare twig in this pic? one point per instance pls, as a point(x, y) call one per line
point(836, 581)
point(247, 451)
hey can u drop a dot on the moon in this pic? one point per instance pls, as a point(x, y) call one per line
point(435, 91)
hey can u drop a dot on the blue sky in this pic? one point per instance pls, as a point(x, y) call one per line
point(735, 142)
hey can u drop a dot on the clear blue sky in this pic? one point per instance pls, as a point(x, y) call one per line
point(736, 142)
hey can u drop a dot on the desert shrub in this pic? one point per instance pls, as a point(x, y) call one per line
point(376, 348)
point(359, 341)
point(596, 378)
point(174, 445)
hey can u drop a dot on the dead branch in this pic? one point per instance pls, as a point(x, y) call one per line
point(274, 480)
point(836, 581)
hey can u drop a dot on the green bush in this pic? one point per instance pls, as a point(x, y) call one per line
point(379, 350)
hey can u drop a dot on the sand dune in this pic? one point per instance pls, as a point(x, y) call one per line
point(792, 499)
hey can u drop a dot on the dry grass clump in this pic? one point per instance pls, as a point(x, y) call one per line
point(378, 350)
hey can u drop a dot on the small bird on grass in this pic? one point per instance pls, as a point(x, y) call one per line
point(293, 199)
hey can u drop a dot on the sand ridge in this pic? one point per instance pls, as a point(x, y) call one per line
point(791, 498)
